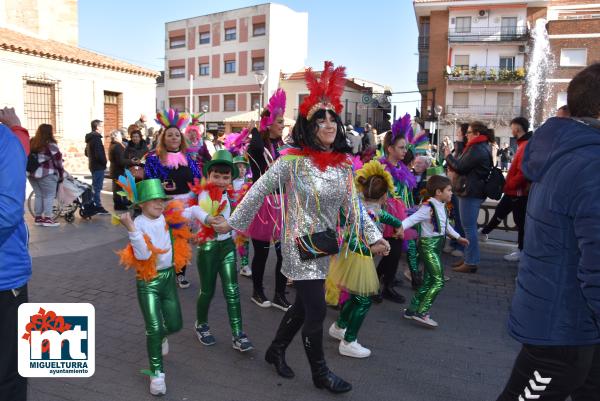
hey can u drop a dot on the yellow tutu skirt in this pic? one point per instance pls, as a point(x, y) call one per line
point(354, 272)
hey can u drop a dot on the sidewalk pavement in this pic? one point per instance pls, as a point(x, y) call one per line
point(468, 358)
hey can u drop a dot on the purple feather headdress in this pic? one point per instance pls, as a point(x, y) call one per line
point(402, 127)
point(276, 107)
point(172, 118)
point(236, 143)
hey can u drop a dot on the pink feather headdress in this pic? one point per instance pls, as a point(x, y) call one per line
point(276, 107)
point(172, 118)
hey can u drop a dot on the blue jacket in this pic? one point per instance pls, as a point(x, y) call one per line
point(15, 263)
point(557, 298)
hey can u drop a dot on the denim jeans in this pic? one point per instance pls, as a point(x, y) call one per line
point(97, 181)
point(469, 211)
point(45, 193)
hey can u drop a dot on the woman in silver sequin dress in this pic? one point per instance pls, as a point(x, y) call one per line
point(318, 180)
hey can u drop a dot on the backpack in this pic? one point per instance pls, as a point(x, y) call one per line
point(494, 184)
point(32, 163)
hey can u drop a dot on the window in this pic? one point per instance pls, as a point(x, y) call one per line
point(348, 118)
point(573, 57)
point(508, 26)
point(505, 103)
point(461, 62)
point(204, 101)
point(259, 29)
point(204, 38)
point(463, 24)
point(460, 100)
point(177, 103)
point(40, 104)
point(176, 42)
point(561, 99)
point(230, 34)
point(204, 69)
point(254, 100)
point(258, 64)
point(229, 67)
point(507, 63)
point(177, 72)
point(228, 102)
point(423, 62)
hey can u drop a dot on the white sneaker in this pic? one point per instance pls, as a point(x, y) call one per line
point(457, 253)
point(157, 384)
point(165, 347)
point(425, 320)
point(447, 248)
point(336, 332)
point(246, 271)
point(513, 257)
point(482, 237)
point(353, 349)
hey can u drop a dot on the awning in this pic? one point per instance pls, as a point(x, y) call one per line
point(252, 115)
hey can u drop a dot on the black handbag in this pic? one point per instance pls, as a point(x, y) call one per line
point(317, 245)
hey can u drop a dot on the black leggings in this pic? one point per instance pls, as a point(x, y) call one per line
point(309, 306)
point(388, 265)
point(259, 261)
point(515, 204)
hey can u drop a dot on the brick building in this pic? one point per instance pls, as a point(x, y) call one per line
point(473, 56)
point(224, 52)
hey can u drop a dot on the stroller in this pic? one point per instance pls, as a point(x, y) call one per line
point(75, 195)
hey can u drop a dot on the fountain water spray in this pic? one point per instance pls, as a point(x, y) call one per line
point(540, 68)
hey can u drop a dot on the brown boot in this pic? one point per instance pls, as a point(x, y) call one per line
point(465, 268)
point(458, 263)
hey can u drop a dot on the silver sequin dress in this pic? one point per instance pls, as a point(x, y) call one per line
point(314, 201)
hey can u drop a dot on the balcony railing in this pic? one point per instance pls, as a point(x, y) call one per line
point(489, 34)
point(423, 43)
point(485, 74)
point(422, 77)
point(483, 112)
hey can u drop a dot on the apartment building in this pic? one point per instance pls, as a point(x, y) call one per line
point(227, 54)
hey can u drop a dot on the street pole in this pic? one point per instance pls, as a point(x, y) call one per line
point(191, 94)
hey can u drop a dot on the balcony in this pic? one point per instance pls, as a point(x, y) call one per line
point(489, 34)
point(472, 112)
point(422, 77)
point(423, 43)
point(485, 74)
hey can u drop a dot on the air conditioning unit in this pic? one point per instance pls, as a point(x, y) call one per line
point(523, 49)
point(483, 13)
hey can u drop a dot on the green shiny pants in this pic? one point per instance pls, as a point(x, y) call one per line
point(352, 316)
point(160, 307)
point(412, 256)
point(218, 257)
point(430, 250)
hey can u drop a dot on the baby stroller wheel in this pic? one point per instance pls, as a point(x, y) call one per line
point(70, 217)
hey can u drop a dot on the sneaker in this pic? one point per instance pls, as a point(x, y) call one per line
point(165, 347)
point(182, 282)
point(410, 315)
point(513, 257)
point(246, 271)
point(204, 336)
point(336, 332)
point(101, 210)
point(457, 253)
point(49, 222)
point(447, 248)
point(38, 220)
point(353, 349)
point(157, 384)
point(482, 237)
point(280, 302)
point(425, 319)
point(258, 297)
point(241, 343)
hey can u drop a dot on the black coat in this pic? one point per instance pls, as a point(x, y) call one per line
point(473, 166)
point(118, 162)
point(94, 150)
point(132, 151)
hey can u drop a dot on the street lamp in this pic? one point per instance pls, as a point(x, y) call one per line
point(257, 109)
point(261, 78)
point(438, 112)
point(205, 110)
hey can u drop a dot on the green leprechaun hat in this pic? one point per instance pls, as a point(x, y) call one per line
point(221, 157)
point(240, 159)
point(150, 189)
point(435, 170)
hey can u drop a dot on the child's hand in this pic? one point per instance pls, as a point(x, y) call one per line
point(399, 232)
point(222, 227)
point(381, 247)
point(463, 241)
point(214, 219)
point(127, 222)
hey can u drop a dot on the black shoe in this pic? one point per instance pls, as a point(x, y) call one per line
point(322, 376)
point(377, 298)
point(416, 281)
point(391, 295)
point(101, 210)
point(276, 356)
point(280, 302)
point(259, 298)
point(332, 383)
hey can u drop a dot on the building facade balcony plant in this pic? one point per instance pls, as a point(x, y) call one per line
point(485, 74)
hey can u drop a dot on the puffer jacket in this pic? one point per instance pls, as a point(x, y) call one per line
point(472, 166)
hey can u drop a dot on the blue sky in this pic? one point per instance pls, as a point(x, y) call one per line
point(376, 40)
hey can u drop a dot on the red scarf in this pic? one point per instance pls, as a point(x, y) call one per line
point(475, 140)
point(321, 159)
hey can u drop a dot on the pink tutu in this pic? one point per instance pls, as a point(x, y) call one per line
point(396, 208)
point(266, 225)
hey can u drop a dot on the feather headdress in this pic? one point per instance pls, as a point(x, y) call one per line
point(276, 107)
point(238, 142)
point(370, 169)
point(172, 118)
point(403, 127)
point(127, 184)
point(325, 91)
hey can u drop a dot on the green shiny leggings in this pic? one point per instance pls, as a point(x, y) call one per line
point(162, 313)
point(412, 256)
point(218, 257)
point(430, 250)
point(352, 316)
